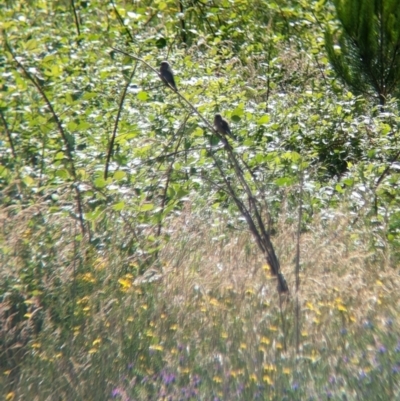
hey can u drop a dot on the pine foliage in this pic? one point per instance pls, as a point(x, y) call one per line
point(369, 41)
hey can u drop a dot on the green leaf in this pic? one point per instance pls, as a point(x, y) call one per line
point(100, 182)
point(3, 171)
point(95, 215)
point(284, 181)
point(214, 140)
point(119, 206)
point(146, 207)
point(171, 206)
point(54, 71)
point(143, 96)
point(89, 95)
point(161, 43)
point(198, 132)
point(238, 112)
point(83, 126)
point(339, 188)
point(29, 181)
point(264, 120)
point(182, 192)
point(293, 156)
point(31, 44)
point(385, 129)
point(59, 156)
point(119, 175)
point(349, 182)
point(62, 173)
point(72, 126)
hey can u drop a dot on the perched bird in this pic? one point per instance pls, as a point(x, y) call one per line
point(167, 75)
point(222, 126)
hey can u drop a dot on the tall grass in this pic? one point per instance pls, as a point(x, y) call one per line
point(202, 321)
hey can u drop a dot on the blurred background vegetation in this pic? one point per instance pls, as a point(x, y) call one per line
point(128, 270)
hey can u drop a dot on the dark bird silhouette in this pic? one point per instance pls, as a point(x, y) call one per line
point(222, 126)
point(167, 75)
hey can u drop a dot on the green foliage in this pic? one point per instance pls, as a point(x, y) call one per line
point(103, 166)
point(368, 58)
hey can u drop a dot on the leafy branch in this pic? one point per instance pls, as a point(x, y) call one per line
point(63, 134)
point(252, 211)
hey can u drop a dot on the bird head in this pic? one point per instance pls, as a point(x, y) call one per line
point(164, 66)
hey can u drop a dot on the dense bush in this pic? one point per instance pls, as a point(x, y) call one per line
point(127, 267)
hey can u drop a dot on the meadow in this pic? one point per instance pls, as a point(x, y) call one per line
point(204, 322)
point(140, 246)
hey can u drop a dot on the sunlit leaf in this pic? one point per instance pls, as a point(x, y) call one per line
point(29, 181)
point(143, 96)
point(263, 120)
point(62, 173)
point(284, 181)
point(100, 182)
point(146, 207)
point(119, 206)
point(119, 175)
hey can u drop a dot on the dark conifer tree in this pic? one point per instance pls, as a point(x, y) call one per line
point(365, 51)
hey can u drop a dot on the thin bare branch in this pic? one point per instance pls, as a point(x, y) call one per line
point(68, 148)
point(9, 136)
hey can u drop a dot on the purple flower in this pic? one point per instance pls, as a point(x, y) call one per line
point(196, 380)
point(332, 380)
point(396, 369)
point(168, 378)
point(362, 375)
point(382, 349)
point(116, 392)
point(295, 386)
